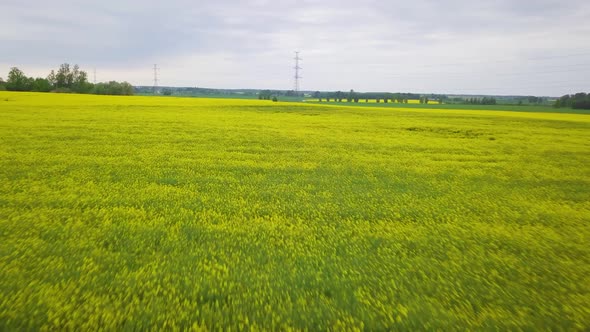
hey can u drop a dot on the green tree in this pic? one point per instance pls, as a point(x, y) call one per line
point(579, 100)
point(63, 77)
point(351, 95)
point(265, 94)
point(51, 78)
point(80, 81)
point(80, 78)
point(18, 81)
point(113, 88)
point(41, 85)
point(75, 74)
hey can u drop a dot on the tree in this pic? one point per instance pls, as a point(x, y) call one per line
point(18, 81)
point(63, 78)
point(113, 88)
point(41, 85)
point(265, 94)
point(351, 95)
point(80, 83)
point(2, 84)
point(167, 92)
point(74, 76)
point(52, 79)
point(580, 100)
point(70, 79)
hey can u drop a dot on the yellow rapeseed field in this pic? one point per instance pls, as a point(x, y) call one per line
point(373, 101)
point(135, 213)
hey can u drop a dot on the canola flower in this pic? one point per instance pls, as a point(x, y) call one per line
point(371, 101)
point(132, 213)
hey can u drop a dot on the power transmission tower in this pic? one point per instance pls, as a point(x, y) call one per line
point(297, 69)
point(156, 69)
point(94, 77)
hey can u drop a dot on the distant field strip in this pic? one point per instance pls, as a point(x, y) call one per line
point(433, 105)
point(131, 213)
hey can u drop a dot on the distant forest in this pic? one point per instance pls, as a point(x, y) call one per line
point(577, 101)
point(340, 96)
point(67, 79)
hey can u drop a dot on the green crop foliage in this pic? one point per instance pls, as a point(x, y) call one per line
point(135, 213)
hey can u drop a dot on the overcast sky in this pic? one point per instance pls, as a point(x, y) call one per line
point(529, 47)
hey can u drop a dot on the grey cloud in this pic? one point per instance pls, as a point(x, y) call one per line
point(345, 43)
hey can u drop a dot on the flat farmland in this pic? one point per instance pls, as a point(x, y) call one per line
point(130, 213)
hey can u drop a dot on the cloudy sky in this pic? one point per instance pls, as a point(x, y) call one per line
point(529, 47)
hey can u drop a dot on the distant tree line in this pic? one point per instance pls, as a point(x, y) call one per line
point(495, 100)
point(274, 95)
point(196, 91)
point(266, 95)
point(535, 100)
point(66, 80)
point(579, 100)
point(481, 101)
point(379, 97)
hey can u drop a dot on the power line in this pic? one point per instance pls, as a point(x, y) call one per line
point(156, 69)
point(297, 69)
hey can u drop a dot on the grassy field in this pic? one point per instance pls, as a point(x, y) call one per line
point(133, 212)
point(434, 106)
